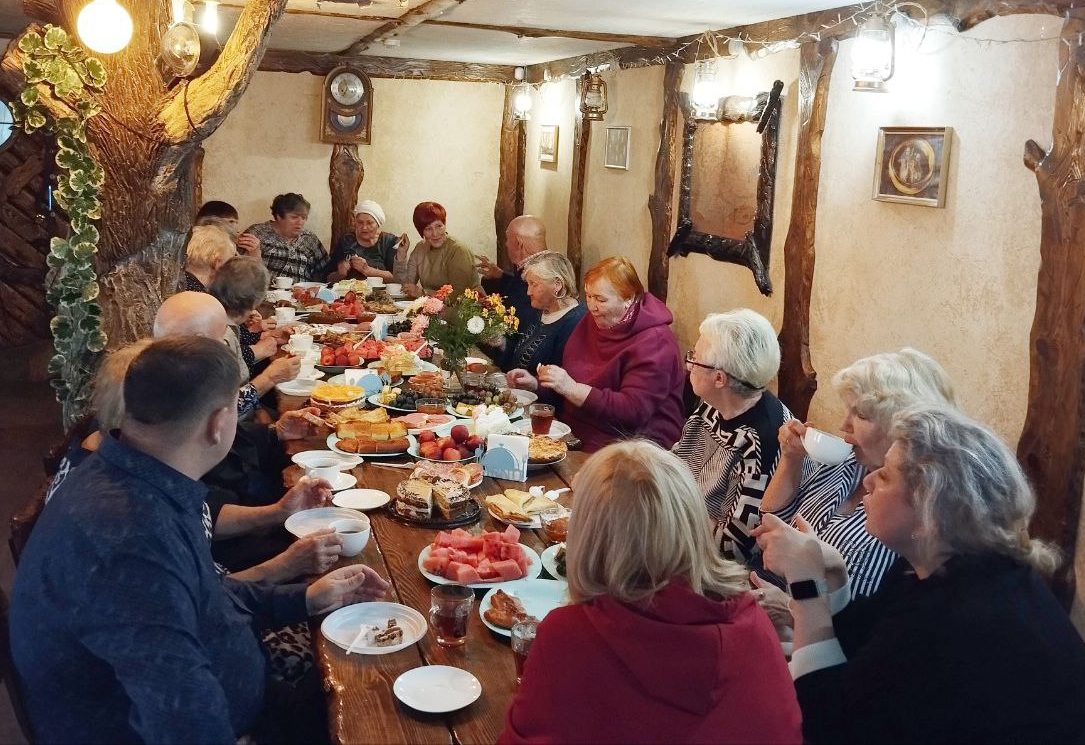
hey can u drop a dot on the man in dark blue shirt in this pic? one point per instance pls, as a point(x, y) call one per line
point(121, 630)
point(524, 237)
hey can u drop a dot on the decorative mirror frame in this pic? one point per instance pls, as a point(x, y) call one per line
point(753, 250)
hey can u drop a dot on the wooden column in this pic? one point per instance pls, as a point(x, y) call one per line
point(197, 179)
point(661, 201)
point(798, 380)
point(344, 179)
point(1052, 444)
point(510, 182)
point(581, 139)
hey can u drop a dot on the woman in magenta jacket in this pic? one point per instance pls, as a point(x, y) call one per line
point(621, 374)
point(662, 641)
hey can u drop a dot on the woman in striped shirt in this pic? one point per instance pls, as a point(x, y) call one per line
point(829, 497)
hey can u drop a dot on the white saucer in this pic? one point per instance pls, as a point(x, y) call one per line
point(437, 688)
point(557, 429)
point(344, 481)
point(298, 388)
point(361, 499)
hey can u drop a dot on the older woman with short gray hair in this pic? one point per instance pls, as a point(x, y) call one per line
point(240, 284)
point(729, 443)
point(551, 286)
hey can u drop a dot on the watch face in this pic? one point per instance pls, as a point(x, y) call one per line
point(347, 89)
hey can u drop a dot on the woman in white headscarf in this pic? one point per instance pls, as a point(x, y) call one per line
point(368, 251)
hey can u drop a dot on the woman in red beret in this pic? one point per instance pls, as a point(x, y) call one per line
point(437, 260)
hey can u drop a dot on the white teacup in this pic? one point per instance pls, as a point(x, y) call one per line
point(307, 368)
point(354, 533)
point(283, 283)
point(375, 281)
point(825, 448)
point(301, 342)
point(324, 468)
point(284, 316)
point(394, 288)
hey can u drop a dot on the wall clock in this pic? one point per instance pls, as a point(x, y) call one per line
point(347, 106)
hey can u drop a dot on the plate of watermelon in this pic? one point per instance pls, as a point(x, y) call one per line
point(487, 560)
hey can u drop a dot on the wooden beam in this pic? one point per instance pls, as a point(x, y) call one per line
point(320, 63)
point(424, 12)
point(581, 140)
point(321, 14)
point(345, 177)
point(798, 379)
point(657, 42)
point(623, 58)
point(1052, 443)
point(661, 201)
point(510, 183)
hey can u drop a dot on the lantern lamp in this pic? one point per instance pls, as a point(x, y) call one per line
point(872, 55)
point(706, 91)
point(593, 100)
point(104, 26)
point(521, 103)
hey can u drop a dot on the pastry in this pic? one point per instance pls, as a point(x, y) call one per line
point(546, 450)
point(414, 499)
point(451, 499)
point(518, 506)
point(372, 430)
point(329, 398)
point(389, 636)
point(370, 446)
point(506, 611)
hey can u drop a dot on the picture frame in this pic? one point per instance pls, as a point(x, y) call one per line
point(548, 143)
point(912, 165)
point(616, 152)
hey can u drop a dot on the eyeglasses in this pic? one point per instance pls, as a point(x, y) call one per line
point(694, 363)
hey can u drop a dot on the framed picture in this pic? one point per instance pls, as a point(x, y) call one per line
point(912, 165)
point(616, 154)
point(548, 143)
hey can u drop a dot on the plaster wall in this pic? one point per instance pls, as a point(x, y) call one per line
point(431, 140)
point(547, 185)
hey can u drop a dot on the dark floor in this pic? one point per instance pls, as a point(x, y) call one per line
point(29, 425)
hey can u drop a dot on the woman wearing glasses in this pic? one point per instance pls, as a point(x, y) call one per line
point(730, 442)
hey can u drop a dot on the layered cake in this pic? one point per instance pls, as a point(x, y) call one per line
point(451, 499)
point(414, 499)
point(389, 636)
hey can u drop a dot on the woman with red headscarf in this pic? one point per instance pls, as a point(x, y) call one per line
point(437, 259)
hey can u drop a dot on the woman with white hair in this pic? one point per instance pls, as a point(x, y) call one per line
point(829, 497)
point(551, 286)
point(969, 645)
point(662, 642)
point(730, 443)
point(368, 251)
point(209, 248)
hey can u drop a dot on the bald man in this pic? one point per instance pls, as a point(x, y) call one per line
point(524, 237)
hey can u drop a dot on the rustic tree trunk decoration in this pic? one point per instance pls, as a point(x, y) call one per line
point(510, 182)
point(197, 179)
point(581, 139)
point(424, 12)
point(661, 201)
point(145, 139)
point(1052, 444)
point(798, 380)
point(345, 179)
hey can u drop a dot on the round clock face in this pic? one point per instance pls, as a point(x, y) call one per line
point(347, 89)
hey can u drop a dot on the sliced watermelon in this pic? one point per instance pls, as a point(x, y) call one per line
point(511, 534)
point(523, 562)
point(442, 539)
point(508, 569)
point(442, 551)
point(486, 570)
point(462, 574)
point(435, 564)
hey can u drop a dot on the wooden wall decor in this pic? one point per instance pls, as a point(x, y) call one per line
point(345, 178)
point(346, 107)
point(510, 182)
point(661, 201)
point(420, 13)
point(752, 250)
point(321, 63)
point(581, 140)
point(798, 379)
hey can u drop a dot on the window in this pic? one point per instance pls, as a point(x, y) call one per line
point(7, 123)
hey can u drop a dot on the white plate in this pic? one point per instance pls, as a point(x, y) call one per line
point(475, 361)
point(516, 413)
point(306, 457)
point(534, 524)
point(549, 560)
point(305, 522)
point(344, 481)
point(539, 596)
point(437, 688)
point(413, 452)
point(361, 499)
point(541, 466)
point(333, 439)
point(300, 388)
point(557, 429)
point(308, 284)
point(342, 627)
point(404, 304)
point(533, 570)
point(524, 398)
point(374, 400)
point(421, 367)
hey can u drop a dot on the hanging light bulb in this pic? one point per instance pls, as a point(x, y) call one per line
point(872, 55)
point(706, 91)
point(209, 17)
point(521, 103)
point(104, 26)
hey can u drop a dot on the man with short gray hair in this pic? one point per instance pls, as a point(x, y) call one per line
point(524, 237)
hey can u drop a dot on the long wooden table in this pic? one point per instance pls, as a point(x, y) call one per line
point(361, 704)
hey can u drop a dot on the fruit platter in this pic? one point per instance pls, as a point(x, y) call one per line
point(457, 557)
point(457, 446)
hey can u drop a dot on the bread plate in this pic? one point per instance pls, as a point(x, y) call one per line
point(333, 440)
point(550, 561)
point(539, 596)
point(534, 569)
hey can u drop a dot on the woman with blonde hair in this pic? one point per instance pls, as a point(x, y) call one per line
point(969, 645)
point(209, 248)
point(551, 286)
point(661, 642)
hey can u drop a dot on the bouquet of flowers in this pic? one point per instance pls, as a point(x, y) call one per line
point(457, 326)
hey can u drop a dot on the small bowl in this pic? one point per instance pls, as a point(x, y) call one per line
point(827, 449)
point(355, 534)
point(306, 458)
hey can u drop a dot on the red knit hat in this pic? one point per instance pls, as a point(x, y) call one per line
point(426, 213)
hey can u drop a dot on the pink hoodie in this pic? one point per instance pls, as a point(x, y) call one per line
point(636, 374)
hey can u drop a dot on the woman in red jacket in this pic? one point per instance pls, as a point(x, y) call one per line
point(621, 374)
point(662, 641)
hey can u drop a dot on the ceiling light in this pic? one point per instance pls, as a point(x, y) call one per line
point(521, 103)
point(593, 102)
point(872, 55)
point(104, 26)
point(706, 91)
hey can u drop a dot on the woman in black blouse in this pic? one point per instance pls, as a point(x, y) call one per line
point(551, 285)
point(967, 646)
point(240, 285)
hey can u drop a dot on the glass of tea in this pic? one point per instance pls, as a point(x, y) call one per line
point(542, 416)
point(449, 612)
point(555, 524)
point(523, 634)
point(430, 405)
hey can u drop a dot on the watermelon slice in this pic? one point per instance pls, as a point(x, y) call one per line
point(435, 564)
point(508, 569)
point(486, 570)
point(511, 534)
point(462, 574)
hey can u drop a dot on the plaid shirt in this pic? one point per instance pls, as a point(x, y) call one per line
point(301, 259)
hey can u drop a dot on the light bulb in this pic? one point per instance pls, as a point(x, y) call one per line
point(872, 55)
point(209, 18)
point(521, 104)
point(104, 26)
point(705, 96)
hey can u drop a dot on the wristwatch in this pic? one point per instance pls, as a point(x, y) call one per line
point(807, 589)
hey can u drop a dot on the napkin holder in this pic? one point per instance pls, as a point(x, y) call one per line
point(505, 457)
point(328, 296)
point(367, 380)
point(378, 328)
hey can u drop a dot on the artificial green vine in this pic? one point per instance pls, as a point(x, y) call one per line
point(59, 62)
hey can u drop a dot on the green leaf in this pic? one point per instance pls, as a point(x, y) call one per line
point(34, 71)
point(61, 328)
point(56, 70)
point(90, 324)
point(59, 247)
point(96, 341)
point(83, 252)
point(61, 388)
point(56, 364)
point(54, 262)
point(29, 96)
point(67, 144)
point(88, 108)
point(30, 42)
point(90, 292)
point(34, 120)
point(96, 70)
point(55, 37)
point(94, 309)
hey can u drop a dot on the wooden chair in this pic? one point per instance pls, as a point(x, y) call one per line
point(23, 521)
point(9, 676)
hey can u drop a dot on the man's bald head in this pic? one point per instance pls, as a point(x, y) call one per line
point(191, 314)
point(526, 235)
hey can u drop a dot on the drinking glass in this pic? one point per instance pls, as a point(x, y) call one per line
point(523, 634)
point(555, 524)
point(542, 416)
point(449, 612)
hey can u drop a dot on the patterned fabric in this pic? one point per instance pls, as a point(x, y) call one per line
point(248, 398)
point(192, 284)
point(244, 348)
point(302, 259)
point(732, 461)
point(821, 493)
point(382, 255)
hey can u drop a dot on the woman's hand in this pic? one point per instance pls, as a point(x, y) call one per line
point(522, 379)
point(307, 494)
point(791, 447)
point(793, 554)
point(402, 247)
point(358, 264)
point(268, 324)
point(414, 291)
point(248, 245)
point(283, 369)
point(774, 601)
point(315, 553)
point(343, 268)
point(252, 321)
point(556, 379)
point(356, 583)
point(295, 425)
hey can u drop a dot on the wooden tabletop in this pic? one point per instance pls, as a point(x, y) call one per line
point(361, 704)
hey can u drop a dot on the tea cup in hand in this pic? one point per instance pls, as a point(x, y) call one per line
point(827, 449)
point(354, 533)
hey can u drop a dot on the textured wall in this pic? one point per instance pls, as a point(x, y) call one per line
point(432, 140)
point(547, 185)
